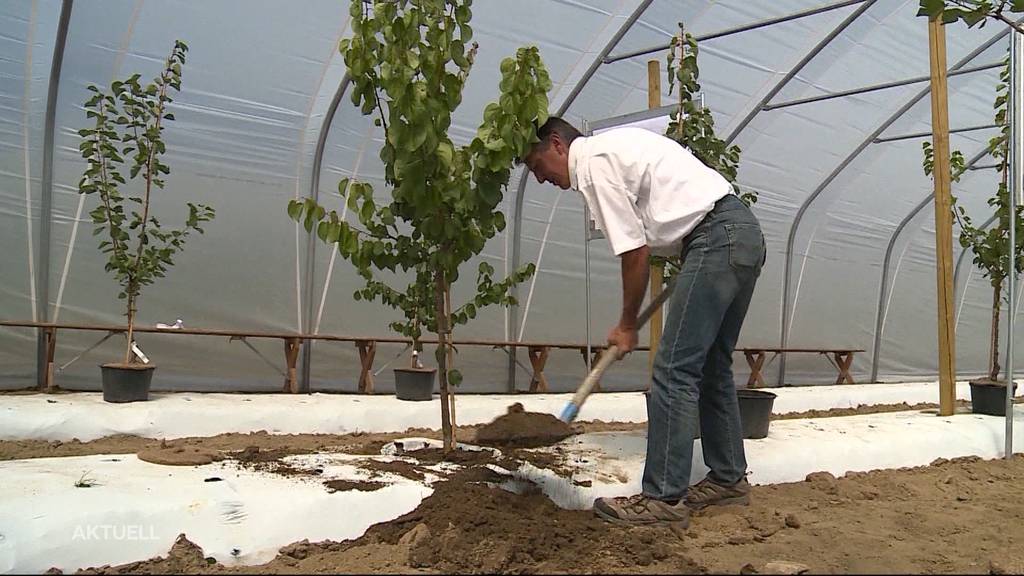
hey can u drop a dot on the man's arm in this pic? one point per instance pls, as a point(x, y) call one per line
point(635, 274)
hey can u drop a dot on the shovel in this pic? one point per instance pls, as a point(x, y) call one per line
point(572, 409)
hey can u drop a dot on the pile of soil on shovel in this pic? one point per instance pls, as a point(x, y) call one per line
point(521, 429)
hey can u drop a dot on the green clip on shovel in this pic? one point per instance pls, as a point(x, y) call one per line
point(572, 409)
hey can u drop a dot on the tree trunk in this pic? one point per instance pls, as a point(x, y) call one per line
point(451, 359)
point(440, 288)
point(993, 361)
point(131, 328)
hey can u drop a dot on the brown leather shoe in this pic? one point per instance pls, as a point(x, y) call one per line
point(641, 510)
point(709, 493)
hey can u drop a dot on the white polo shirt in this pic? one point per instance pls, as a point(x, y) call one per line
point(643, 188)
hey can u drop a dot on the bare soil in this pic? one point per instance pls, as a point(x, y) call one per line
point(865, 409)
point(361, 485)
point(959, 516)
point(178, 454)
point(354, 443)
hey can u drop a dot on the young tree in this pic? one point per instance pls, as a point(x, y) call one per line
point(990, 246)
point(409, 61)
point(693, 126)
point(129, 123)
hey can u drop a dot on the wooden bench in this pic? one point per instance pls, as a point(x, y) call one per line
point(841, 358)
point(537, 352)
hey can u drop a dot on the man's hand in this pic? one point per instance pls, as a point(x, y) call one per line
point(635, 271)
point(624, 337)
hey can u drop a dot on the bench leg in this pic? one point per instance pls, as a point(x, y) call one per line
point(843, 362)
point(51, 346)
point(291, 356)
point(538, 358)
point(756, 362)
point(367, 351)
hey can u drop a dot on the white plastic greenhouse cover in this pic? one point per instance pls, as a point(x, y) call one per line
point(839, 207)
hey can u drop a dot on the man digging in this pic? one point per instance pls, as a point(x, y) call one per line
point(649, 195)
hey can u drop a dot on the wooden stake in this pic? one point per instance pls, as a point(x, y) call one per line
point(657, 271)
point(943, 216)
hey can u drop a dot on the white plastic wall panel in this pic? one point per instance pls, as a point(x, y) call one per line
point(258, 83)
point(27, 32)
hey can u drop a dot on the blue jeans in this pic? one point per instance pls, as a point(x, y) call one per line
point(722, 258)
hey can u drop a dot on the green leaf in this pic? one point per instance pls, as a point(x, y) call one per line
point(366, 211)
point(445, 153)
point(333, 233)
point(294, 209)
point(351, 242)
point(508, 66)
point(931, 8)
point(972, 18)
point(454, 377)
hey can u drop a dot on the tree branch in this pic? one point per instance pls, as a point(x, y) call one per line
point(1012, 24)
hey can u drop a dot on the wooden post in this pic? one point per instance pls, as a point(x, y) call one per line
point(51, 347)
point(755, 359)
point(657, 272)
point(367, 352)
point(291, 355)
point(943, 216)
point(538, 359)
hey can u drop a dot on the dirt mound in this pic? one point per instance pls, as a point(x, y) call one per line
point(396, 467)
point(184, 558)
point(461, 457)
point(426, 457)
point(955, 516)
point(344, 485)
point(521, 429)
point(255, 458)
point(475, 528)
point(178, 454)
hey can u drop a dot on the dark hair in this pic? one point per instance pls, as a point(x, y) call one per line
point(553, 125)
point(556, 125)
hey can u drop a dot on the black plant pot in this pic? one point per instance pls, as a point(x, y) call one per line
point(755, 411)
point(127, 382)
point(415, 384)
point(989, 398)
